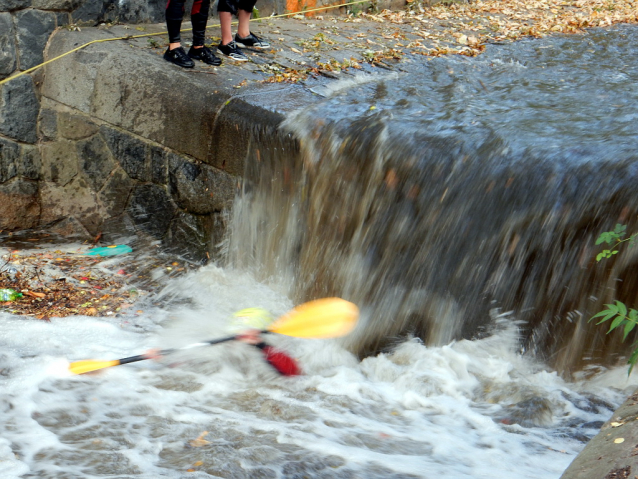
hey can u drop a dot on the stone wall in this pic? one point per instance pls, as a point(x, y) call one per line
point(85, 172)
point(90, 145)
point(25, 28)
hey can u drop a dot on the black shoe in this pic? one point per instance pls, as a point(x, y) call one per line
point(251, 41)
point(232, 51)
point(178, 57)
point(205, 55)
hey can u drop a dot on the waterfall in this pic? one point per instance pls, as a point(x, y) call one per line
point(420, 205)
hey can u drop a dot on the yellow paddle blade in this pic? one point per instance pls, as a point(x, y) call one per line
point(319, 319)
point(88, 365)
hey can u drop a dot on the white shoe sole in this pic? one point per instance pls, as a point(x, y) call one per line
point(241, 45)
point(240, 59)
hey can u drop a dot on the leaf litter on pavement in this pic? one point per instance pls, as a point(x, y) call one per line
point(384, 38)
point(62, 280)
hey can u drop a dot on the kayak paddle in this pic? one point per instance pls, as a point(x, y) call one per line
point(318, 319)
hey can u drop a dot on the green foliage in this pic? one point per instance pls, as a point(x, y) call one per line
point(617, 312)
point(613, 238)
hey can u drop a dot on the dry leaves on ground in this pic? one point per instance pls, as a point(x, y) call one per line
point(459, 28)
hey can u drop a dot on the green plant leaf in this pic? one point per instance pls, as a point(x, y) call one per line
point(603, 238)
point(602, 313)
point(608, 316)
point(615, 323)
point(622, 309)
point(620, 229)
point(612, 307)
point(629, 326)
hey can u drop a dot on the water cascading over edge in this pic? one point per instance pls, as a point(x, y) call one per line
point(430, 232)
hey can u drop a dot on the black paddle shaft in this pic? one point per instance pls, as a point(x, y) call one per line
point(165, 352)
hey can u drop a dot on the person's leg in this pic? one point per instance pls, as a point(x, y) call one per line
point(199, 19)
point(227, 46)
point(225, 21)
point(174, 16)
point(245, 38)
point(243, 29)
point(175, 53)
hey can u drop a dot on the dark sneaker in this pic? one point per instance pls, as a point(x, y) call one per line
point(205, 55)
point(232, 51)
point(251, 41)
point(178, 57)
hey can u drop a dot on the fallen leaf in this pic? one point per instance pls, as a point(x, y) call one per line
point(35, 295)
point(619, 440)
point(200, 441)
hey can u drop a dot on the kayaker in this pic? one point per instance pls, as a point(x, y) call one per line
point(248, 324)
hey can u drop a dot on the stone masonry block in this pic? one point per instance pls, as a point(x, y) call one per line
point(62, 18)
point(199, 188)
point(9, 155)
point(66, 5)
point(81, 67)
point(59, 162)
point(92, 12)
point(75, 127)
point(8, 59)
point(33, 30)
point(30, 163)
point(129, 152)
point(116, 192)
point(75, 199)
point(19, 109)
point(167, 106)
point(189, 236)
point(48, 124)
point(95, 161)
point(70, 227)
point(89, 13)
point(151, 210)
point(19, 204)
point(159, 165)
point(10, 5)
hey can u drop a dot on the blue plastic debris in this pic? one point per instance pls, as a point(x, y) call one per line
point(112, 250)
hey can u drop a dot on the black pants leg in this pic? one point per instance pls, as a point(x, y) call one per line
point(199, 18)
point(174, 16)
point(233, 5)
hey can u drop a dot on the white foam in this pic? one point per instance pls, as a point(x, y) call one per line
point(418, 410)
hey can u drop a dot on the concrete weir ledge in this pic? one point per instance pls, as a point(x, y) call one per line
point(181, 139)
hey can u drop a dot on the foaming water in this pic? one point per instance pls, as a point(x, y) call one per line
point(460, 186)
point(468, 409)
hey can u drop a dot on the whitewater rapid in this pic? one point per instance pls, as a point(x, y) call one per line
point(468, 409)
